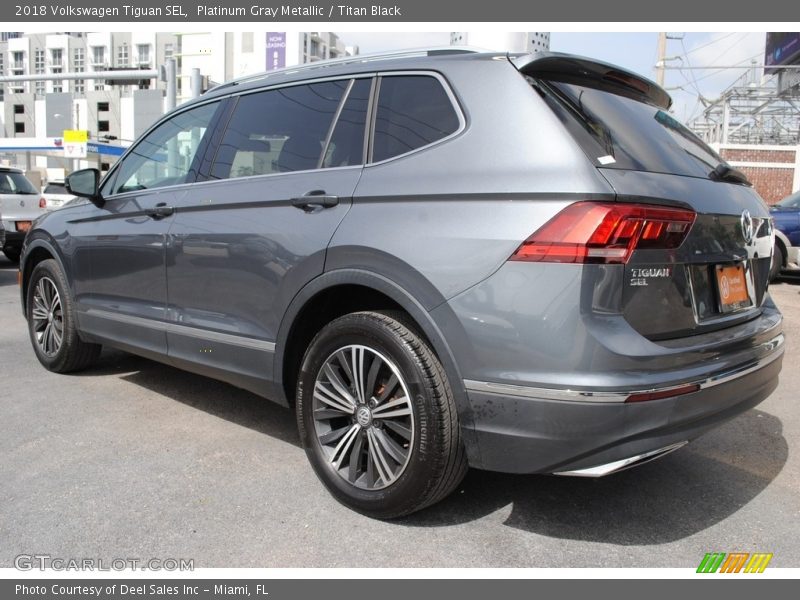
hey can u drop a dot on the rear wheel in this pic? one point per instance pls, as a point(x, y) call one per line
point(377, 417)
point(778, 261)
point(52, 322)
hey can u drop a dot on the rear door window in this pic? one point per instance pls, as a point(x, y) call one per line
point(413, 111)
point(279, 130)
point(621, 133)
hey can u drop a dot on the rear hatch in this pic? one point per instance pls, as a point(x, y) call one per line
point(19, 201)
point(718, 275)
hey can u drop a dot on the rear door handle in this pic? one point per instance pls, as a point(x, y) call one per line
point(316, 198)
point(159, 211)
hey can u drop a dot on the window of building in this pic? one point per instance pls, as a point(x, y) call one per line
point(19, 109)
point(413, 111)
point(278, 131)
point(38, 61)
point(99, 55)
point(39, 88)
point(78, 66)
point(164, 156)
point(103, 127)
point(58, 86)
point(143, 54)
point(57, 56)
point(18, 58)
point(122, 55)
point(19, 127)
point(102, 107)
point(169, 50)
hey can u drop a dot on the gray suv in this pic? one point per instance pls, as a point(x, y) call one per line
point(440, 259)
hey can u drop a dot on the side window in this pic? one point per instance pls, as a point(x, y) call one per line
point(413, 111)
point(346, 146)
point(164, 156)
point(278, 131)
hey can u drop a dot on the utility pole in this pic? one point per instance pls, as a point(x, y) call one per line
point(662, 55)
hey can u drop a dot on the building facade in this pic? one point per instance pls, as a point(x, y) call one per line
point(503, 41)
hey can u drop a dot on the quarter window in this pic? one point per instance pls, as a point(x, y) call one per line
point(413, 111)
point(165, 155)
point(278, 131)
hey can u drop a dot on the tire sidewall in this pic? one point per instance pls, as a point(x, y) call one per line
point(421, 470)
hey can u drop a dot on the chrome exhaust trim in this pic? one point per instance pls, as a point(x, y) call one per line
point(625, 463)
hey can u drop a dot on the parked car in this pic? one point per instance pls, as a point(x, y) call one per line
point(440, 260)
point(20, 205)
point(56, 195)
point(786, 216)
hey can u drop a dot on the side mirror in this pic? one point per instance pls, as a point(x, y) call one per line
point(85, 183)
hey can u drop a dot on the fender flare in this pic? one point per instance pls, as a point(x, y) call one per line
point(41, 240)
point(407, 302)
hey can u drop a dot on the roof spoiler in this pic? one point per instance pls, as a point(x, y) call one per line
point(567, 68)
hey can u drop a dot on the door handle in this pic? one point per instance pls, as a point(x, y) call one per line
point(316, 198)
point(159, 211)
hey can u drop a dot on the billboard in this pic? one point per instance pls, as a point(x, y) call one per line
point(781, 49)
point(276, 50)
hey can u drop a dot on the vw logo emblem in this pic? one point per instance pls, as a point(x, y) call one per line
point(747, 227)
point(22, 203)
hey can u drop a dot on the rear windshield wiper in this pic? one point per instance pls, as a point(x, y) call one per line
point(725, 172)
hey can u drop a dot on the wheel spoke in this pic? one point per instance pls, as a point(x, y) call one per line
point(381, 463)
point(327, 396)
point(403, 432)
point(357, 354)
point(391, 447)
point(342, 449)
point(355, 460)
point(378, 412)
point(372, 376)
point(339, 385)
point(334, 435)
point(324, 414)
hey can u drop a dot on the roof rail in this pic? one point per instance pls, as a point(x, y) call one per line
point(359, 58)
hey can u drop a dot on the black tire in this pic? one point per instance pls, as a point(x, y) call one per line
point(778, 261)
point(12, 253)
point(436, 462)
point(71, 353)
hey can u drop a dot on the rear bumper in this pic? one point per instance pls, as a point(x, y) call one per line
point(523, 433)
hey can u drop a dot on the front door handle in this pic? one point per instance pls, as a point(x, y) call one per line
point(316, 198)
point(159, 211)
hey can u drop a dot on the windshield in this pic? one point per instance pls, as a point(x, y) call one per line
point(792, 201)
point(621, 133)
point(15, 183)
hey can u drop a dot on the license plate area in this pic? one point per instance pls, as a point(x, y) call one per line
point(733, 293)
point(23, 226)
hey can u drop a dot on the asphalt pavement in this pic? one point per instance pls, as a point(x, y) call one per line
point(135, 459)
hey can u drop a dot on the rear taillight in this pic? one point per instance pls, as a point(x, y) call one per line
point(605, 232)
point(42, 203)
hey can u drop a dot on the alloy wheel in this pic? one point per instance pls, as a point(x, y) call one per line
point(48, 317)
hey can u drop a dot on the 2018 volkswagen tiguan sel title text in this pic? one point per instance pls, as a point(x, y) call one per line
point(440, 259)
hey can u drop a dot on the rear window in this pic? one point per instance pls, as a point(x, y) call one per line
point(620, 133)
point(55, 188)
point(15, 183)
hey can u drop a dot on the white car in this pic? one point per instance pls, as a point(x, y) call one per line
point(20, 205)
point(56, 195)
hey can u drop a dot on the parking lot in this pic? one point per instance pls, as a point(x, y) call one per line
point(136, 459)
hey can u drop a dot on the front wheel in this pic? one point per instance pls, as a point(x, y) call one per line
point(52, 323)
point(377, 417)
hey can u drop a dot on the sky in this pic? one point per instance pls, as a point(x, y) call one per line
point(634, 51)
